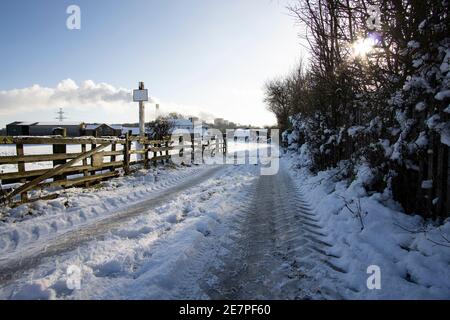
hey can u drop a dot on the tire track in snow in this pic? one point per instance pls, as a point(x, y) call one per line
point(190, 274)
point(275, 249)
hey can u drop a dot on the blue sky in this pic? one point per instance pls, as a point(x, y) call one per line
point(195, 56)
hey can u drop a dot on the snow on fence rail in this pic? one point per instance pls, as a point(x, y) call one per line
point(98, 159)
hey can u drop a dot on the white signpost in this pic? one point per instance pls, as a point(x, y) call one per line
point(140, 96)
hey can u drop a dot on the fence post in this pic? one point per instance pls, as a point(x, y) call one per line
point(167, 151)
point(146, 161)
point(224, 141)
point(21, 168)
point(59, 149)
point(113, 157)
point(154, 162)
point(92, 173)
point(85, 163)
point(224, 147)
point(193, 148)
point(204, 150)
point(126, 154)
point(181, 146)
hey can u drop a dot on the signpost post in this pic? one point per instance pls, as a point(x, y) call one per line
point(140, 96)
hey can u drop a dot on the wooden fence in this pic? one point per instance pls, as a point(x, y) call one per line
point(426, 189)
point(423, 190)
point(96, 159)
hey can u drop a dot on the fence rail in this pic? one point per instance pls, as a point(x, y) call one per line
point(92, 165)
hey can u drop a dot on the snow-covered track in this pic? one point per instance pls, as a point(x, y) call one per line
point(276, 248)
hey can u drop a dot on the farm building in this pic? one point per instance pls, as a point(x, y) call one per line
point(102, 130)
point(74, 129)
point(18, 128)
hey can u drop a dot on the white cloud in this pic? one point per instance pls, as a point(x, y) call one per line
point(67, 94)
point(116, 103)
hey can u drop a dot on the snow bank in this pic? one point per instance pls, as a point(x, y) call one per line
point(40, 221)
point(365, 230)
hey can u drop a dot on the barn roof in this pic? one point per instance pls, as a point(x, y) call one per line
point(22, 123)
point(93, 126)
point(58, 124)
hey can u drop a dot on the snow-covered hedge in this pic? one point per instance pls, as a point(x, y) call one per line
point(387, 111)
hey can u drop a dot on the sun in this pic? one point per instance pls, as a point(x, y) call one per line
point(362, 47)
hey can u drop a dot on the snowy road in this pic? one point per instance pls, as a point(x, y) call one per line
point(264, 260)
point(226, 233)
